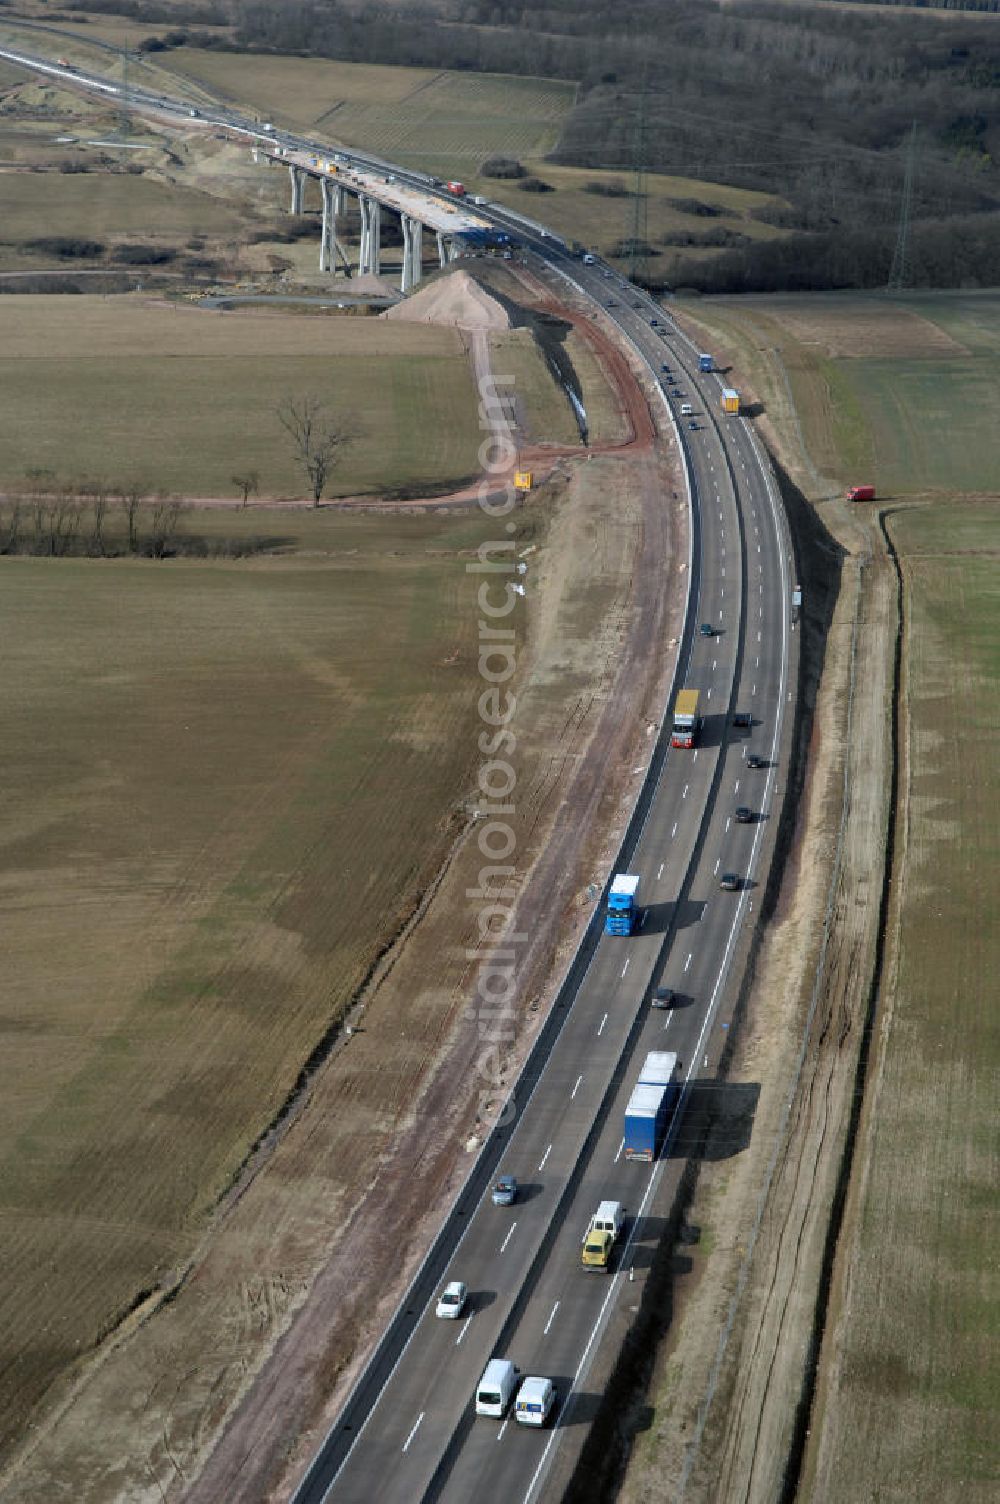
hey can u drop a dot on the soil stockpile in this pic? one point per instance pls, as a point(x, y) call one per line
point(457, 298)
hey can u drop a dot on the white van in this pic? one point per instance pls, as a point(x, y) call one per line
point(496, 1388)
point(686, 409)
point(534, 1402)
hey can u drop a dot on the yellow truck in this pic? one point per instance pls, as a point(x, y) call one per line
point(602, 1234)
point(730, 399)
point(687, 721)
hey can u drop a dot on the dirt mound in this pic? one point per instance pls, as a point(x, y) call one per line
point(457, 298)
point(368, 283)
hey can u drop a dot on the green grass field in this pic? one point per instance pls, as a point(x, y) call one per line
point(185, 398)
point(600, 222)
point(901, 391)
point(111, 209)
point(452, 119)
point(225, 784)
point(914, 1415)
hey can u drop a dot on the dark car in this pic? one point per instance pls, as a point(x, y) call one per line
point(730, 882)
point(665, 367)
point(693, 425)
point(504, 1191)
point(753, 761)
point(743, 718)
point(706, 629)
point(744, 816)
point(663, 997)
point(612, 303)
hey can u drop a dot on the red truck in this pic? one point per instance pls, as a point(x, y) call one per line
point(458, 189)
point(861, 493)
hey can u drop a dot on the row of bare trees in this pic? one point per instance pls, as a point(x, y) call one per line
point(96, 519)
point(90, 519)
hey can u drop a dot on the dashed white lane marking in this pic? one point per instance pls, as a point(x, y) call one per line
point(620, 1148)
point(507, 1239)
point(576, 1088)
point(674, 831)
point(714, 662)
point(737, 787)
point(694, 756)
point(687, 963)
point(660, 873)
point(625, 967)
point(416, 1428)
point(465, 1328)
point(551, 1319)
point(717, 861)
point(729, 821)
point(708, 694)
point(502, 1430)
point(603, 1022)
point(683, 796)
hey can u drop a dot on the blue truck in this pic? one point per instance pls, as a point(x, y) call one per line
point(622, 917)
point(650, 1105)
point(706, 363)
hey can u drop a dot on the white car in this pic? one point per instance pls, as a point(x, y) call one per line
point(535, 1400)
point(452, 1301)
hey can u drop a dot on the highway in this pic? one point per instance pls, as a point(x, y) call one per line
point(408, 1432)
point(531, 1300)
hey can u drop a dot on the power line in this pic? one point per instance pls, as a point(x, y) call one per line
point(638, 251)
point(899, 271)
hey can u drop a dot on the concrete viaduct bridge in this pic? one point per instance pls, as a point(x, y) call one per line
point(339, 176)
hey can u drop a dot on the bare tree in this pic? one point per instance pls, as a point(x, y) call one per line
point(11, 525)
point(41, 485)
point(248, 484)
point(164, 517)
point(96, 492)
point(315, 439)
point(64, 520)
point(130, 498)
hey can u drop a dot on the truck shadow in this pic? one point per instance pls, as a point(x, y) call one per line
point(660, 916)
point(718, 1121)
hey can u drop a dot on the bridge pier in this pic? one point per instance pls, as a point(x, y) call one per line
point(298, 178)
point(442, 249)
point(370, 258)
point(332, 200)
point(413, 232)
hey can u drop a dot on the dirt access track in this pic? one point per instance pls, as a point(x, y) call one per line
point(220, 1385)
